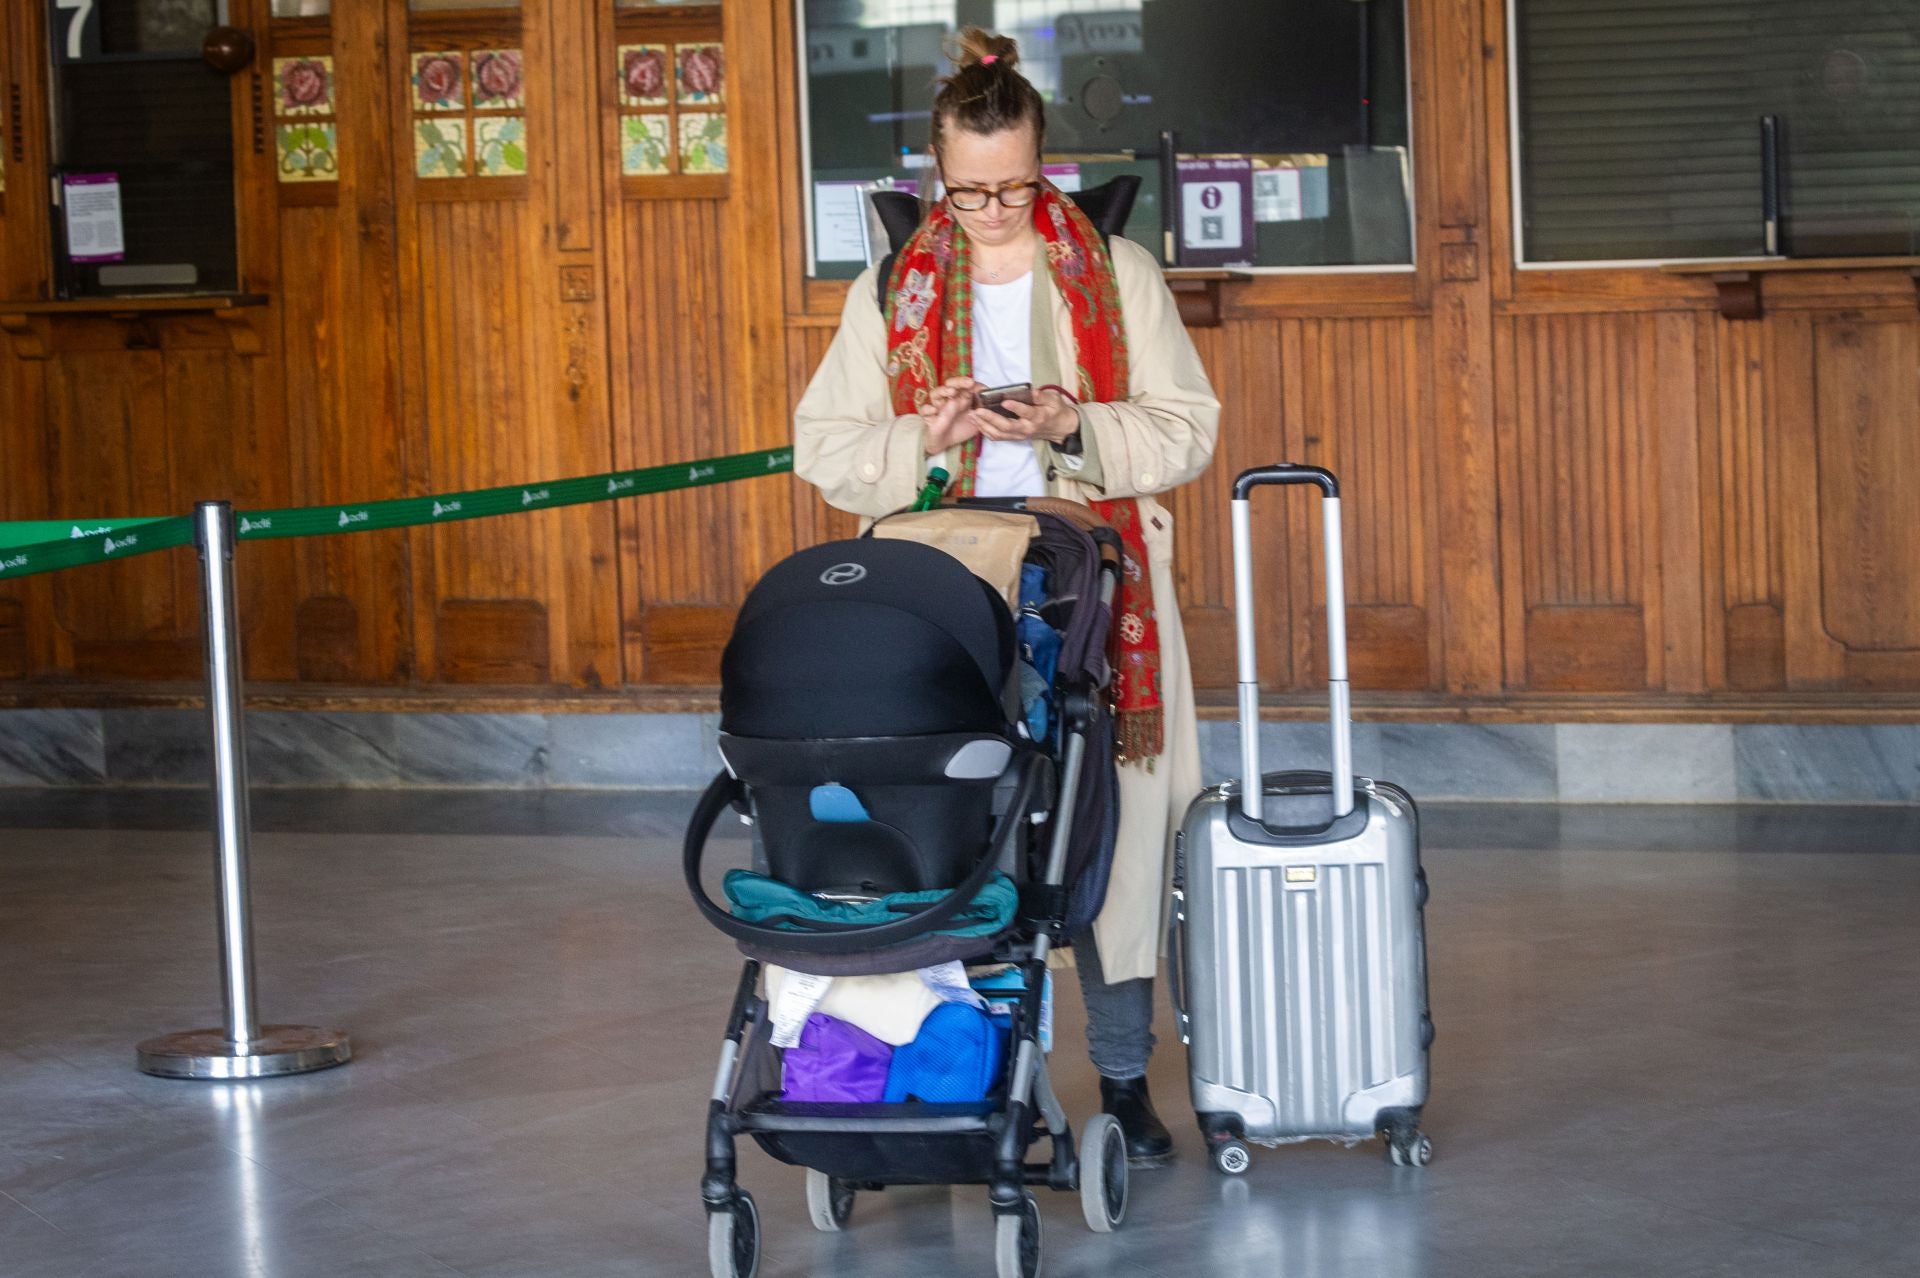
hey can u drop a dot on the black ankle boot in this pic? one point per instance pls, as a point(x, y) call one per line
point(1127, 1100)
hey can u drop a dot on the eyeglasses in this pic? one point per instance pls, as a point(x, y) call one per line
point(1014, 195)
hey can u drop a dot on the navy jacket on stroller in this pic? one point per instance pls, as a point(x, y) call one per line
point(903, 818)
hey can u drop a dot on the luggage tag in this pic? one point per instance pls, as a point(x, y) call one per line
point(799, 995)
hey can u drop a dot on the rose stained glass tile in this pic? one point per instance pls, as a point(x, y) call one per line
point(439, 81)
point(497, 80)
point(303, 86)
point(701, 71)
point(643, 75)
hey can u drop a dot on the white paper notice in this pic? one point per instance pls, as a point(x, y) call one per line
point(94, 229)
point(839, 222)
point(1276, 196)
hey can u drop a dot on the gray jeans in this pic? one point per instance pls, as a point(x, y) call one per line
point(1119, 1017)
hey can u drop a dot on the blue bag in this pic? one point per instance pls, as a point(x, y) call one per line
point(1039, 654)
point(956, 1056)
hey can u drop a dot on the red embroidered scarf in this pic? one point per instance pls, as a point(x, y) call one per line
point(930, 338)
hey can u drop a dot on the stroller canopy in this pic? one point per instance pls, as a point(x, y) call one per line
point(867, 638)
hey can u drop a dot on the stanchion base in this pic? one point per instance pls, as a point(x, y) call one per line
point(280, 1049)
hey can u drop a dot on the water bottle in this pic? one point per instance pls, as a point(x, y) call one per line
point(930, 495)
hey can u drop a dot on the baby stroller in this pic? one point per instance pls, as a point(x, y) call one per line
point(876, 745)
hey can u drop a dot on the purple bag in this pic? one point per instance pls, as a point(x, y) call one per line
point(835, 1062)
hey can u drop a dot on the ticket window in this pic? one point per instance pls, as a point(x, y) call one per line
point(1266, 134)
point(142, 146)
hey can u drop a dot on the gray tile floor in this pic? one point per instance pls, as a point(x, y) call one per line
point(1672, 1042)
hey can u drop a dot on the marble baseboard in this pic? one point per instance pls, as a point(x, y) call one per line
point(1571, 763)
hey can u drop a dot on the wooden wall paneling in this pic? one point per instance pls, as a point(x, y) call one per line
point(1867, 449)
point(24, 260)
point(1450, 49)
point(1677, 569)
point(1813, 658)
point(234, 381)
point(1448, 43)
point(753, 296)
point(27, 640)
point(1360, 413)
point(1500, 134)
point(1745, 629)
point(486, 351)
point(1580, 468)
point(1243, 361)
point(222, 422)
point(699, 351)
point(106, 406)
point(813, 520)
point(683, 553)
point(338, 306)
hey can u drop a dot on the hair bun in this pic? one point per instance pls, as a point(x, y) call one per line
point(976, 46)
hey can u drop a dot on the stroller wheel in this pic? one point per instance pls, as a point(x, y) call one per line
point(1103, 1174)
point(829, 1201)
point(1016, 1242)
point(733, 1239)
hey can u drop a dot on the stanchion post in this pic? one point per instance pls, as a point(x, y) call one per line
point(241, 1047)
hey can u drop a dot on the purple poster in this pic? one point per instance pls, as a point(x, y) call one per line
point(1216, 212)
point(95, 232)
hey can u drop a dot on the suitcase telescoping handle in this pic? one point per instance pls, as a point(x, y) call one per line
point(1251, 789)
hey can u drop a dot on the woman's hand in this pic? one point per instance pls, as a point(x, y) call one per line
point(949, 412)
point(1052, 417)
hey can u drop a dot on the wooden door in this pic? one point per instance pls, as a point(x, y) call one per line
point(502, 338)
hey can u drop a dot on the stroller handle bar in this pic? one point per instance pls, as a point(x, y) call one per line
point(725, 788)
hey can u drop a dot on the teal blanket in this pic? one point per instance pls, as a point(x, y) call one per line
point(759, 899)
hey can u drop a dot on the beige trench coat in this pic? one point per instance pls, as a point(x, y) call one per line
point(870, 461)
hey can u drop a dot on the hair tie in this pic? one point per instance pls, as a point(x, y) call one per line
point(987, 60)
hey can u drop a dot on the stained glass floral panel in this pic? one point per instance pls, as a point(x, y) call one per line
point(646, 150)
point(700, 70)
point(500, 146)
point(703, 143)
point(308, 151)
point(440, 148)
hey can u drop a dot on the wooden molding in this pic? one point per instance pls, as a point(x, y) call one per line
point(1198, 300)
point(1738, 293)
point(28, 334)
point(1738, 284)
point(240, 331)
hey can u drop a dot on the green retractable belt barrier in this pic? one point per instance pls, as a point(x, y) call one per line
point(42, 546)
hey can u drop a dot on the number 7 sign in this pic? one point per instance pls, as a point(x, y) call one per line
point(79, 37)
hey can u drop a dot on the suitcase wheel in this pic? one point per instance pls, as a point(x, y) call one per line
point(1409, 1149)
point(1232, 1157)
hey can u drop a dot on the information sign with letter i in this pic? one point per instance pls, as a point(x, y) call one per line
point(1216, 212)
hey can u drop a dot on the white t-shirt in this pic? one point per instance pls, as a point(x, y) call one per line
point(1002, 356)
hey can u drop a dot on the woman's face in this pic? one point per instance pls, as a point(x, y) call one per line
point(988, 162)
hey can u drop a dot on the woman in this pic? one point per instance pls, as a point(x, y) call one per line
point(1006, 282)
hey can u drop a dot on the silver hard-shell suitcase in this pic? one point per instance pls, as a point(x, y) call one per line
point(1299, 953)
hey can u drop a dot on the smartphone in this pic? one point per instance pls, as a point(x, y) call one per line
point(1019, 393)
